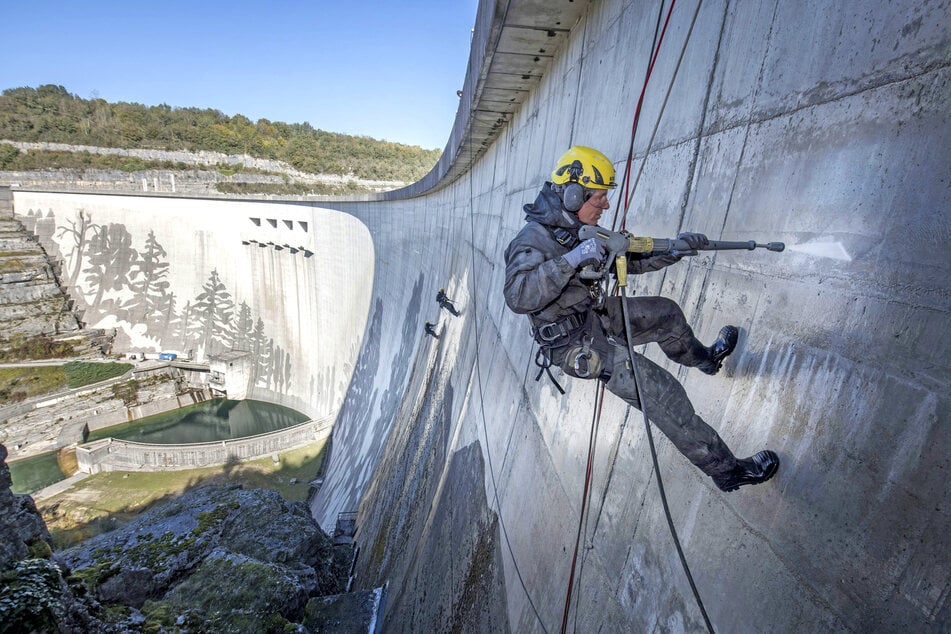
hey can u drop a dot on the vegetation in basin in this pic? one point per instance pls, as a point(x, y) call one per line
point(17, 384)
point(80, 373)
point(103, 501)
point(22, 348)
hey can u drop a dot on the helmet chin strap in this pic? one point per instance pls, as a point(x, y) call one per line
point(572, 217)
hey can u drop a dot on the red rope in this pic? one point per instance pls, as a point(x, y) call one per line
point(595, 420)
point(637, 116)
point(599, 395)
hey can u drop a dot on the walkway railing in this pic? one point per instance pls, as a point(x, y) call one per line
point(111, 454)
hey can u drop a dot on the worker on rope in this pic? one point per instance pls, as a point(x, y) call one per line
point(583, 332)
point(444, 302)
point(430, 329)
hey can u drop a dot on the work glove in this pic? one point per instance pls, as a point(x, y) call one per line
point(591, 251)
point(693, 240)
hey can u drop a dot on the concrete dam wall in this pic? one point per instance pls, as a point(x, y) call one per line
point(823, 125)
point(206, 277)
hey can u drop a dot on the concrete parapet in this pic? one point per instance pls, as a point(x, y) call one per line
point(110, 454)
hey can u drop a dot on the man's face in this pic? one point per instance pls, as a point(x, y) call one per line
point(590, 211)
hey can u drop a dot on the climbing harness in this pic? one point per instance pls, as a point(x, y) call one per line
point(552, 337)
point(554, 333)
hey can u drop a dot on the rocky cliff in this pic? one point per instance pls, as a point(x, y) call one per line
point(219, 558)
point(34, 593)
point(31, 300)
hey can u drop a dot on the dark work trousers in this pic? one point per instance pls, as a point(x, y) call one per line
point(448, 305)
point(656, 319)
point(669, 408)
point(660, 320)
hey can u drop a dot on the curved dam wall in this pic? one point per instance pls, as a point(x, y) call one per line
point(824, 125)
point(113, 454)
point(202, 278)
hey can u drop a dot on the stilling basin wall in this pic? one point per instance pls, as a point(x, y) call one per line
point(823, 125)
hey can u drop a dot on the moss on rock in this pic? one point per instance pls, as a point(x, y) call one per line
point(216, 559)
point(30, 595)
point(228, 583)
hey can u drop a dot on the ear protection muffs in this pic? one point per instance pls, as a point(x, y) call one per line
point(573, 197)
point(573, 194)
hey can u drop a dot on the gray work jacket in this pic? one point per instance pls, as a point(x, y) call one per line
point(539, 282)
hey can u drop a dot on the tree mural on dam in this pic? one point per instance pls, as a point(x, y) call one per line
point(151, 287)
point(120, 284)
point(111, 261)
point(79, 231)
point(214, 310)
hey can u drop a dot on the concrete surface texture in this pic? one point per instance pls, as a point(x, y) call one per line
point(823, 125)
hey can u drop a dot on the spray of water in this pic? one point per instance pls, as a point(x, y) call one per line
point(833, 250)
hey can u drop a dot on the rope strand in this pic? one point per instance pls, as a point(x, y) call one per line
point(485, 430)
point(632, 355)
point(592, 441)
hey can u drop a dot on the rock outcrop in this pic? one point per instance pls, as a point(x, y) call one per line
point(32, 301)
point(34, 594)
point(22, 530)
point(210, 546)
point(217, 558)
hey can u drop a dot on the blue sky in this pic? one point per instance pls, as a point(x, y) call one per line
point(389, 70)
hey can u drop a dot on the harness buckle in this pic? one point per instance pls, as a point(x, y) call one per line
point(550, 332)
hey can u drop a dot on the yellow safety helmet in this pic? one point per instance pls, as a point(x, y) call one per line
point(578, 169)
point(586, 166)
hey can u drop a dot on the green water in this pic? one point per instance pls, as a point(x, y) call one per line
point(218, 419)
point(32, 474)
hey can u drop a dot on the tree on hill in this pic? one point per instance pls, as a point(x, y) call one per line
point(51, 114)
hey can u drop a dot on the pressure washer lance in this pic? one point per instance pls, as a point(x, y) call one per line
point(620, 243)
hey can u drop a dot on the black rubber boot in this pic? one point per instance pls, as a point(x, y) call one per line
point(753, 470)
point(721, 349)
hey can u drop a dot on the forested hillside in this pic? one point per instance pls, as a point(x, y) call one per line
point(51, 114)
